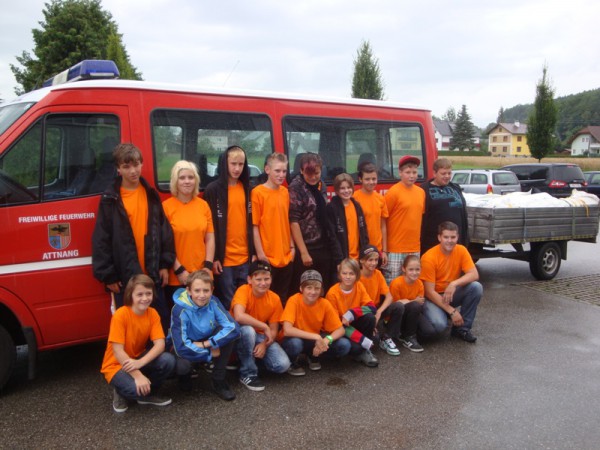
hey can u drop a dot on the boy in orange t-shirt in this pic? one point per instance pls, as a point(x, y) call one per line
point(271, 224)
point(130, 219)
point(229, 201)
point(450, 279)
point(311, 326)
point(374, 208)
point(406, 205)
point(258, 311)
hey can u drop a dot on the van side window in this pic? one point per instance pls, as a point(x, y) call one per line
point(76, 149)
point(202, 136)
point(344, 144)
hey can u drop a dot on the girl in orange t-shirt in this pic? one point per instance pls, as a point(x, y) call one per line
point(191, 220)
point(408, 289)
point(346, 220)
point(356, 310)
point(129, 367)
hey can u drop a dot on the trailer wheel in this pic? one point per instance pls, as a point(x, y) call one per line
point(8, 356)
point(544, 260)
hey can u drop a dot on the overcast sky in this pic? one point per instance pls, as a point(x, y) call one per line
point(434, 53)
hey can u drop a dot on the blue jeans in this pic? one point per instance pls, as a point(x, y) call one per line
point(157, 371)
point(294, 346)
point(434, 319)
point(230, 279)
point(275, 359)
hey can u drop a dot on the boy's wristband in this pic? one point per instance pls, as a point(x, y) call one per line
point(180, 270)
point(329, 338)
point(208, 265)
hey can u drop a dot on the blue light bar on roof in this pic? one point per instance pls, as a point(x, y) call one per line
point(89, 69)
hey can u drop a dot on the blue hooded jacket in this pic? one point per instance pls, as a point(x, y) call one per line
point(191, 323)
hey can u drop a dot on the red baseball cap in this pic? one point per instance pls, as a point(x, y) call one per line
point(408, 159)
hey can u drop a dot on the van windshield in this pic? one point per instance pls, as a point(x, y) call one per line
point(10, 113)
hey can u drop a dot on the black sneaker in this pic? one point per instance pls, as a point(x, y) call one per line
point(253, 383)
point(296, 370)
point(314, 363)
point(154, 400)
point(222, 389)
point(412, 344)
point(463, 334)
point(208, 366)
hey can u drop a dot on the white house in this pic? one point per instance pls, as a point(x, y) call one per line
point(444, 130)
point(586, 141)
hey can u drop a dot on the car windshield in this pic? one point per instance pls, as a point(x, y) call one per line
point(10, 113)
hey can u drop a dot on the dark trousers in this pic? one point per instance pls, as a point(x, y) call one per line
point(322, 263)
point(184, 366)
point(282, 277)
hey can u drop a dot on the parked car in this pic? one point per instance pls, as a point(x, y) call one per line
point(486, 181)
point(557, 179)
point(593, 182)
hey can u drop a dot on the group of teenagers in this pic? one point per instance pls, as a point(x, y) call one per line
point(275, 277)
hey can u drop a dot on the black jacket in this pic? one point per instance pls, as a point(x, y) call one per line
point(442, 204)
point(336, 216)
point(216, 195)
point(114, 254)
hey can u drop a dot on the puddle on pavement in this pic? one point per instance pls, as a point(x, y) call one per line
point(336, 381)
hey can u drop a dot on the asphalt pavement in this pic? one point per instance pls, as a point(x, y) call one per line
point(531, 381)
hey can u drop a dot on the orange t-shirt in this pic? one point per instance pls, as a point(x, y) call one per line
point(270, 212)
point(236, 245)
point(136, 206)
point(190, 222)
point(342, 302)
point(401, 290)
point(267, 308)
point(352, 227)
point(374, 209)
point(406, 207)
point(442, 269)
point(375, 286)
point(311, 318)
point(134, 332)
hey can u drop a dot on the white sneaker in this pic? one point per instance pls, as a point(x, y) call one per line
point(389, 346)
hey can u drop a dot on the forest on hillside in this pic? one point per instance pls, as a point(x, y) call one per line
point(575, 112)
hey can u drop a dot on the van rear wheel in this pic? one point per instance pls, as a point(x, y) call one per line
point(8, 356)
point(544, 260)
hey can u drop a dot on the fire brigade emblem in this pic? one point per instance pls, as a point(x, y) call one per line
point(59, 235)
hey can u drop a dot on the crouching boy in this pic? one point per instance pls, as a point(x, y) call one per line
point(311, 325)
point(258, 310)
point(202, 332)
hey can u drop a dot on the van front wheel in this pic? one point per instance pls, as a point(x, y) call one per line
point(8, 356)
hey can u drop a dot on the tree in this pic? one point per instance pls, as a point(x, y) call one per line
point(500, 115)
point(542, 120)
point(464, 131)
point(450, 115)
point(72, 30)
point(366, 81)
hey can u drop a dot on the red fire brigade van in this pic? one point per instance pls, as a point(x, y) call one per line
point(55, 160)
